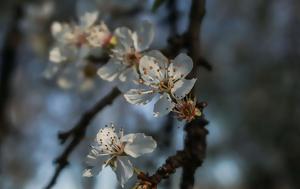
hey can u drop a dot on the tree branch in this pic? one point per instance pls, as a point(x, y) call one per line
point(197, 146)
point(77, 133)
point(191, 156)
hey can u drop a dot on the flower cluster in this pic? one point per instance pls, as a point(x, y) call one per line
point(74, 43)
point(140, 73)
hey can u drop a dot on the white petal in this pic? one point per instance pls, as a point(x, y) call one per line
point(129, 74)
point(144, 36)
point(88, 19)
point(163, 106)
point(161, 59)
point(181, 66)
point(56, 28)
point(64, 82)
point(152, 71)
point(183, 87)
point(124, 38)
point(95, 163)
point(88, 173)
point(56, 55)
point(93, 171)
point(128, 79)
point(139, 96)
point(138, 144)
point(98, 35)
point(124, 170)
point(110, 70)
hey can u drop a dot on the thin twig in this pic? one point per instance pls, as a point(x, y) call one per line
point(77, 133)
point(192, 155)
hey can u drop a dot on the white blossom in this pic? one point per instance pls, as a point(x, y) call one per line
point(99, 35)
point(56, 55)
point(113, 148)
point(74, 42)
point(127, 53)
point(77, 40)
point(167, 79)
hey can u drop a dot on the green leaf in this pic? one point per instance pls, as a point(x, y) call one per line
point(157, 4)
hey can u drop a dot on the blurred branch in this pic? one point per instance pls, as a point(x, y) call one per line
point(7, 66)
point(9, 62)
point(191, 38)
point(77, 133)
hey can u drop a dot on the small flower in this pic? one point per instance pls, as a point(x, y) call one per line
point(144, 185)
point(74, 42)
point(100, 36)
point(56, 55)
point(162, 78)
point(127, 53)
point(186, 109)
point(72, 34)
point(77, 40)
point(113, 148)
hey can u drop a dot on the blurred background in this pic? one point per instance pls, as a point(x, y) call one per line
point(253, 94)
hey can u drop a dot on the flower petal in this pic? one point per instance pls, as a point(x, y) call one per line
point(88, 19)
point(64, 82)
point(138, 144)
point(111, 69)
point(139, 96)
point(128, 79)
point(56, 56)
point(144, 36)
point(124, 170)
point(96, 168)
point(163, 106)
point(182, 88)
point(95, 162)
point(180, 67)
point(98, 35)
point(124, 38)
point(129, 74)
point(152, 70)
point(56, 28)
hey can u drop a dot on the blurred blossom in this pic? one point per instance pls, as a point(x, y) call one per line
point(126, 54)
point(73, 44)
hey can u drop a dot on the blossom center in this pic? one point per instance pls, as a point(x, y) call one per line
point(120, 150)
point(166, 85)
point(132, 58)
point(187, 110)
